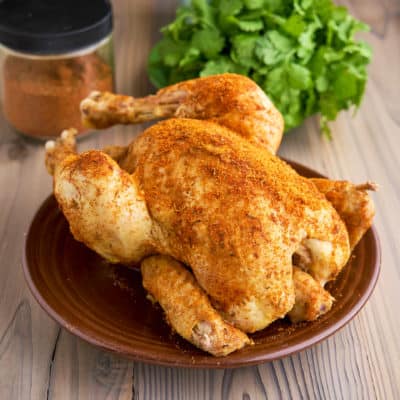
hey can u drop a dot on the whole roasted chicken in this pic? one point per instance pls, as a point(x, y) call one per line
point(230, 238)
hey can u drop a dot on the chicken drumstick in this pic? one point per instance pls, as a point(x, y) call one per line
point(230, 100)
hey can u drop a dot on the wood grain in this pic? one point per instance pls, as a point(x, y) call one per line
point(362, 361)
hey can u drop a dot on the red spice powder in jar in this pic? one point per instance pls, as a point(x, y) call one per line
point(53, 54)
point(42, 96)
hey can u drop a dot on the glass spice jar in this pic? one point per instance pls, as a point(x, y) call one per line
point(52, 55)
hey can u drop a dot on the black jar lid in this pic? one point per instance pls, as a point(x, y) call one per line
point(53, 26)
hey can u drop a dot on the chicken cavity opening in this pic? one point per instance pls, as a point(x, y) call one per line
point(302, 257)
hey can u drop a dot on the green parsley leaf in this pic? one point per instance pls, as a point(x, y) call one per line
point(208, 41)
point(275, 81)
point(276, 5)
point(280, 41)
point(172, 51)
point(202, 8)
point(191, 55)
point(299, 77)
point(253, 4)
point(242, 52)
point(230, 7)
point(250, 26)
point(322, 83)
point(267, 53)
point(345, 85)
point(221, 66)
point(294, 25)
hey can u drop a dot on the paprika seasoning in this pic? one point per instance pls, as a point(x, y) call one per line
point(53, 55)
point(42, 96)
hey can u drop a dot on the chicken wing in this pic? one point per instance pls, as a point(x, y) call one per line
point(231, 100)
point(187, 307)
point(357, 210)
point(102, 203)
point(352, 203)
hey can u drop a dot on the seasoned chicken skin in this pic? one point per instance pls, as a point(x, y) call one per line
point(260, 240)
point(238, 103)
point(188, 308)
point(231, 211)
point(230, 100)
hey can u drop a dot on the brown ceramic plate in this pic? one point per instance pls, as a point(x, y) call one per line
point(106, 305)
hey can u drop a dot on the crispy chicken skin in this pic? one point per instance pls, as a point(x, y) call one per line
point(230, 100)
point(231, 211)
point(238, 103)
point(236, 215)
point(187, 307)
point(260, 240)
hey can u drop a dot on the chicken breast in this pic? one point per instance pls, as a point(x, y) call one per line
point(236, 215)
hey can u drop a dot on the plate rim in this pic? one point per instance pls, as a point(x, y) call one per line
point(209, 361)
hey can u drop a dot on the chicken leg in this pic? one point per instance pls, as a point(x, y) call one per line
point(187, 307)
point(231, 100)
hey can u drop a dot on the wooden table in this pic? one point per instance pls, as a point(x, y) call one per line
point(38, 360)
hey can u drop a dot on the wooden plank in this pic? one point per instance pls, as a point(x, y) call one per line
point(81, 371)
point(25, 331)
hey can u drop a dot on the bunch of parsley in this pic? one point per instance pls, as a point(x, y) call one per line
point(301, 52)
